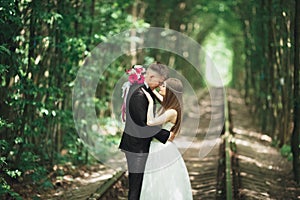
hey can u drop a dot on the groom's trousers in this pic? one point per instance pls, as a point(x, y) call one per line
point(136, 166)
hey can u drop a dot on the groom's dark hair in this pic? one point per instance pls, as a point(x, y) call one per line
point(160, 68)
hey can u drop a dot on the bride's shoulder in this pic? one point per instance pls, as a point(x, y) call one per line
point(171, 114)
point(171, 111)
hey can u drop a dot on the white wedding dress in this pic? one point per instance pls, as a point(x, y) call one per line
point(166, 176)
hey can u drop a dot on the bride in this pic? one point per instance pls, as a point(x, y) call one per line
point(166, 176)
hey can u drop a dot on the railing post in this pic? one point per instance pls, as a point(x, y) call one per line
point(228, 167)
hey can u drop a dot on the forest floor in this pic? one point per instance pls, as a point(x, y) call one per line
point(75, 183)
point(81, 182)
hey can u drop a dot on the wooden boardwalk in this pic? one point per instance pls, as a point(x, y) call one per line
point(203, 172)
point(204, 168)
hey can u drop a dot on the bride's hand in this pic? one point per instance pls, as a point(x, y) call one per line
point(147, 95)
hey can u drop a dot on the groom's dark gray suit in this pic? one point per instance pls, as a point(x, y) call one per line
point(137, 137)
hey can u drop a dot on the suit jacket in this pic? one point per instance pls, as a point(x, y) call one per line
point(137, 135)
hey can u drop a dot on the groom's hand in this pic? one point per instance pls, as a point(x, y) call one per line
point(172, 136)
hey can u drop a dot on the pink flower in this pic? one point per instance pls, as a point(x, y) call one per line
point(133, 78)
point(139, 70)
point(135, 75)
point(141, 80)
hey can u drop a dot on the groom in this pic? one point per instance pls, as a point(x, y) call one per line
point(137, 135)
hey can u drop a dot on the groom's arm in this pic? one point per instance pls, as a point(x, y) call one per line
point(138, 106)
point(163, 135)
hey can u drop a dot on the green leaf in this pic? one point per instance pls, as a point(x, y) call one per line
point(47, 185)
point(3, 49)
point(3, 68)
point(14, 174)
point(18, 140)
point(2, 161)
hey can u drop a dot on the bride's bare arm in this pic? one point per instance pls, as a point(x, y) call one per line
point(159, 120)
point(159, 96)
point(163, 118)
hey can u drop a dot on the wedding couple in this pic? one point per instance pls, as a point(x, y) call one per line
point(156, 169)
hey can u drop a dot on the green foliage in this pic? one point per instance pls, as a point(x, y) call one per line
point(285, 151)
point(5, 189)
point(14, 174)
point(43, 44)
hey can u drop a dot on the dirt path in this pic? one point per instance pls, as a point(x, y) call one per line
point(76, 183)
point(263, 172)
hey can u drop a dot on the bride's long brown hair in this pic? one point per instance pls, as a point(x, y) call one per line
point(173, 100)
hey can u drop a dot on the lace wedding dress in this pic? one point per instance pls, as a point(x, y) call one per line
point(166, 176)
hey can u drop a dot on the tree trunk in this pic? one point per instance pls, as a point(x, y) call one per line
point(133, 35)
point(296, 131)
point(92, 15)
